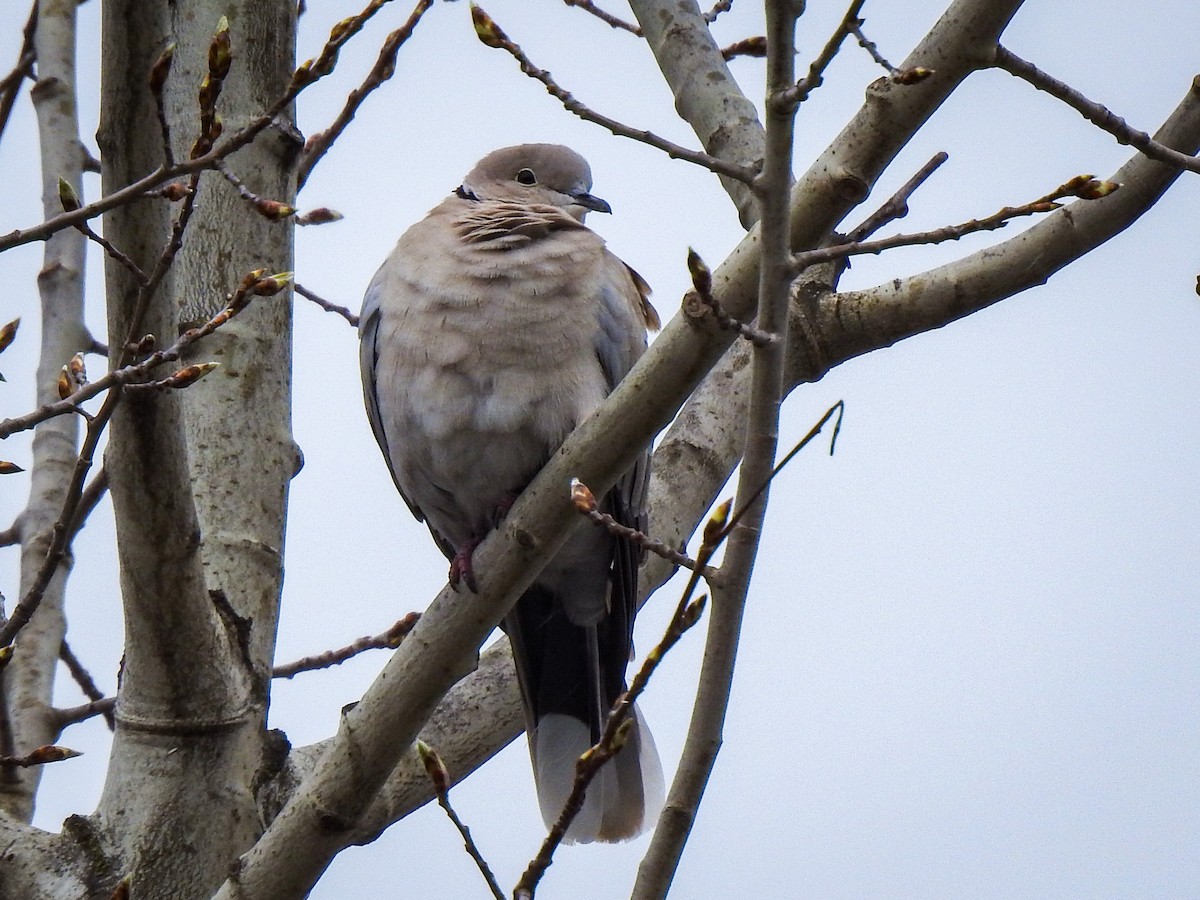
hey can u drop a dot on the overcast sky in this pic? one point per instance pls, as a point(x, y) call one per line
point(970, 661)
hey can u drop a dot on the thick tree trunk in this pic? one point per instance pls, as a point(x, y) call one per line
point(199, 477)
point(29, 680)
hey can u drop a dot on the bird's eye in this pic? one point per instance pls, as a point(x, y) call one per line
point(526, 176)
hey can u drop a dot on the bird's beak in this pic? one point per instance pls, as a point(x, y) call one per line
point(591, 201)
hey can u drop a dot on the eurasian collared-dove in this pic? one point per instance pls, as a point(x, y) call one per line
point(498, 323)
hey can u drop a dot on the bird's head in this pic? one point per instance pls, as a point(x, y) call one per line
point(549, 174)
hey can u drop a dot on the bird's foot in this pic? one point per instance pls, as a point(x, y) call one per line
point(461, 567)
point(503, 505)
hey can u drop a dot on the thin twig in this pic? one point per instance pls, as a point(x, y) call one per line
point(493, 36)
point(896, 206)
point(838, 409)
point(305, 75)
point(389, 639)
point(816, 71)
point(86, 683)
point(439, 775)
point(606, 17)
point(871, 48)
point(702, 301)
point(10, 84)
point(585, 503)
point(272, 210)
point(1097, 114)
point(325, 304)
point(1084, 187)
point(385, 67)
point(121, 257)
point(48, 753)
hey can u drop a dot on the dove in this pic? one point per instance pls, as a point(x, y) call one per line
point(497, 324)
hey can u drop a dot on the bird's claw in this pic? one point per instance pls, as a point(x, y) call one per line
point(461, 568)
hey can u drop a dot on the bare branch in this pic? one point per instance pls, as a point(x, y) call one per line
point(86, 684)
point(28, 678)
point(855, 322)
point(706, 94)
point(385, 66)
point(1098, 115)
point(134, 269)
point(585, 503)
point(491, 34)
point(896, 206)
point(1084, 187)
point(439, 776)
point(305, 75)
point(731, 591)
point(608, 18)
point(388, 640)
point(10, 84)
point(799, 92)
point(326, 305)
point(872, 49)
point(74, 714)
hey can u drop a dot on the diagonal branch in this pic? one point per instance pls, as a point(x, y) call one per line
point(606, 17)
point(707, 96)
point(493, 36)
point(385, 67)
point(1097, 114)
point(306, 74)
point(815, 77)
point(731, 591)
point(10, 84)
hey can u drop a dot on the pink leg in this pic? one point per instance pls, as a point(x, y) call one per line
point(461, 568)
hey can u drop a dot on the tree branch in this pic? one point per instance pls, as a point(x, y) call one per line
point(10, 84)
point(385, 67)
point(491, 34)
point(29, 677)
point(1098, 115)
point(731, 590)
point(707, 96)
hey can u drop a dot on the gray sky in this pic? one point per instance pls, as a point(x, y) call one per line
point(969, 666)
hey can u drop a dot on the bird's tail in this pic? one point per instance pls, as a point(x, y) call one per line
point(570, 675)
point(625, 796)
